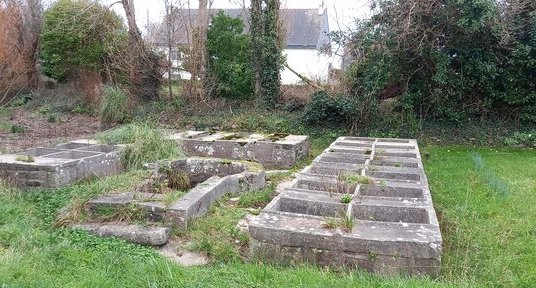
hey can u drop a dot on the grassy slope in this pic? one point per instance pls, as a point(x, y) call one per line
point(489, 240)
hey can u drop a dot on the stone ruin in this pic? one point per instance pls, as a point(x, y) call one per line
point(61, 165)
point(276, 150)
point(362, 203)
point(67, 163)
point(207, 180)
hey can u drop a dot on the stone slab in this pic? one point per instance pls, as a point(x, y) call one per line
point(152, 236)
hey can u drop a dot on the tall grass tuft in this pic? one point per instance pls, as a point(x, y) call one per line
point(494, 182)
point(114, 106)
point(146, 143)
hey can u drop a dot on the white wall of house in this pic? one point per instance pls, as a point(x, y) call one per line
point(308, 62)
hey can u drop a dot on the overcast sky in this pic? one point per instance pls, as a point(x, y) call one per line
point(341, 12)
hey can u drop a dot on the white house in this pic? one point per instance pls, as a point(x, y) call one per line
point(308, 49)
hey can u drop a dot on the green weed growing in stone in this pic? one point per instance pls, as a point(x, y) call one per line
point(343, 221)
point(172, 197)
point(178, 179)
point(346, 198)
point(347, 223)
point(330, 223)
point(355, 178)
point(51, 118)
point(146, 143)
point(25, 158)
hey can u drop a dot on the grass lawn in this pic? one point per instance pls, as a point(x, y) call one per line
point(489, 238)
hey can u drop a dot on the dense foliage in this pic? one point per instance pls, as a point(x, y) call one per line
point(323, 110)
point(455, 60)
point(229, 65)
point(114, 106)
point(79, 35)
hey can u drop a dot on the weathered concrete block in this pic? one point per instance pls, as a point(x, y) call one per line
point(60, 165)
point(388, 226)
point(272, 151)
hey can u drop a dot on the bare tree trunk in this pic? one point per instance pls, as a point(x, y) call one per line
point(202, 24)
point(134, 42)
point(33, 26)
point(170, 31)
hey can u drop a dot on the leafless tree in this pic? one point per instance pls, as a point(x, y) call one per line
point(20, 27)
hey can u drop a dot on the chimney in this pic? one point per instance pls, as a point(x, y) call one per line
point(321, 8)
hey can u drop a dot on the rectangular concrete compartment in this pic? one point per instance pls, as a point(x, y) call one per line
point(354, 144)
point(73, 154)
point(325, 186)
point(39, 151)
point(100, 148)
point(71, 145)
point(323, 204)
point(331, 170)
point(391, 213)
point(391, 140)
point(394, 175)
point(389, 191)
point(397, 154)
point(338, 159)
point(394, 163)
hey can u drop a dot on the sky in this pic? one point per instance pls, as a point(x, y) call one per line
point(342, 13)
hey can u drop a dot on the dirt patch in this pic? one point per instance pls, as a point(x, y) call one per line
point(35, 130)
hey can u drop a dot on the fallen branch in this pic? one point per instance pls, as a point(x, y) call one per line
point(303, 78)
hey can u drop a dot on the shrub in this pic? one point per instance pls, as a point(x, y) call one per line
point(229, 67)
point(477, 61)
point(323, 109)
point(79, 35)
point(114, 105)
point(146, 143)
point(522, 139)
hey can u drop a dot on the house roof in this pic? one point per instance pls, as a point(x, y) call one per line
point(304, 28)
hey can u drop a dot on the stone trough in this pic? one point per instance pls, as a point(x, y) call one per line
point(211, 179)
point(362, 203)
point(59, 166)
point(272, 151)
